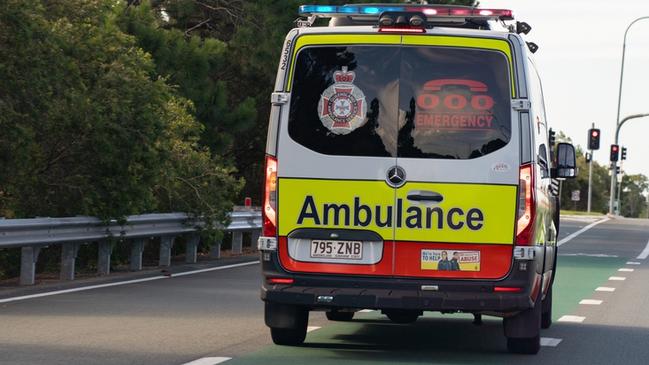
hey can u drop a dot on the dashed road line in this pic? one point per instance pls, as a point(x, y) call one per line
point(571, 319)
point(591, 301)
point(126, 282)
point(605, 289)
point(312, 328)
point(617, 278)
point(570, 237)
point(645, 253)
point(208, 361)
point(624, 269)
point(633, 263)
point(366, 311)
point(550, 342)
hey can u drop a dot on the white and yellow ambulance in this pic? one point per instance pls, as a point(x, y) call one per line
point(409, 169)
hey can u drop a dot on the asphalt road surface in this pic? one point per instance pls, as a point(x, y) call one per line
point(601, 315)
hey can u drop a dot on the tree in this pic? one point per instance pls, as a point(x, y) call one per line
point(237, 45)
point(90, 127)
point(633, 202)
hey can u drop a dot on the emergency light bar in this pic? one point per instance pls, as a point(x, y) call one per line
point(330, 11)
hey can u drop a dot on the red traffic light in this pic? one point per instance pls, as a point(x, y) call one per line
point(594, 133)
point(615, 148)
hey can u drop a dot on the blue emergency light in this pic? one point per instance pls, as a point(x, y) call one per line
point(431, 11)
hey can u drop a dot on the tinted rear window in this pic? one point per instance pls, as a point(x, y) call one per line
point(416, 102)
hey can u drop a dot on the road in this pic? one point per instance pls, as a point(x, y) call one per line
point(211, 316)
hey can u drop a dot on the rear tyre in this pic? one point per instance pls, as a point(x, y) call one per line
point(288, 336)
point(546, 316)
point(402, 316)
point(528, 346)
point(340, 316)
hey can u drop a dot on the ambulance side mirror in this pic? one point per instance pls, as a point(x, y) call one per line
point(566, 162)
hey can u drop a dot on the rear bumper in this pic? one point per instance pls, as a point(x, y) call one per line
point(320, 291)
point(411, 299)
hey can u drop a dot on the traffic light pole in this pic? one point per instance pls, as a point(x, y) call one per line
point(619, 188)
point(590, 179)
point(590, 176)
point(614, 164)
point(619, 104)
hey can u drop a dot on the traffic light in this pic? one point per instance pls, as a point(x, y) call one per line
point(617, 170)
point(593, 139)
point(623, 157)
point(589, 157)
point(615, 153)
point(552, 137)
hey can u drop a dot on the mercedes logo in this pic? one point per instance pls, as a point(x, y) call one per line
point(396, 176)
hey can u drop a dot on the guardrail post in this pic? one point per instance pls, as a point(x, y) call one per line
point(137, 247)
point(215, 250)
point(28, 258)
point(103, 257)
point(191, 249)
point(166, 243)
point(237, 242)
point(254, 237)
point(68, 260)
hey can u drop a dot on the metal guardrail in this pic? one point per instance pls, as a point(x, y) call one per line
point(31, 235)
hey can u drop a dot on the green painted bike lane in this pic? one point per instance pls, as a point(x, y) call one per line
point(435, 338)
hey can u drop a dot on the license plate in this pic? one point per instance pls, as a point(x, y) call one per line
point(337, 249)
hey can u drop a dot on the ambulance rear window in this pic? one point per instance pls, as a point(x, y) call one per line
point(410, 102)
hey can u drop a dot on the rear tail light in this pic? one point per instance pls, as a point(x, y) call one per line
point(284, 281)
point(526, 210)
point(270, 198)
point(507, 289)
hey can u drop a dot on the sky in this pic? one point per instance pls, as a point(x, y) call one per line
point(579, 58)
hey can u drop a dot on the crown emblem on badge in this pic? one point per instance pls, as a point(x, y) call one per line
point(342, 107)
point(344, 76)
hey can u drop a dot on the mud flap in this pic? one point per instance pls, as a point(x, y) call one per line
point(284, 315)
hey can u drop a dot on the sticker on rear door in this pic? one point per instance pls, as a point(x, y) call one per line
point(450, 260)
point(342, 107)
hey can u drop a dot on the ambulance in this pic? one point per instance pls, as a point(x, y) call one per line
point(409, 168)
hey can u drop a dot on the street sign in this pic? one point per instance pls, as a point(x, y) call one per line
point(575, 197)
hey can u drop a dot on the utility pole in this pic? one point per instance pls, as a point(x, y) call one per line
point(619, 189)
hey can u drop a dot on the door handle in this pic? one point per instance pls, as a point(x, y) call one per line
point(425, 196)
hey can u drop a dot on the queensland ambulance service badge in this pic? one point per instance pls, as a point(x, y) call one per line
point(342, 107)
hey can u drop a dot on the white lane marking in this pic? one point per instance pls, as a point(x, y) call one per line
point(570, 237)
point(312, 328)
point(633, 263)
point(366, 311)
point(617, 278)
point(591, 302)
point(126, 282)
point(571, 319)
point(588, 254)
point(208, 361)
point(624, 269)
point(605, 288)
point(550, 342)
point(645, 253)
